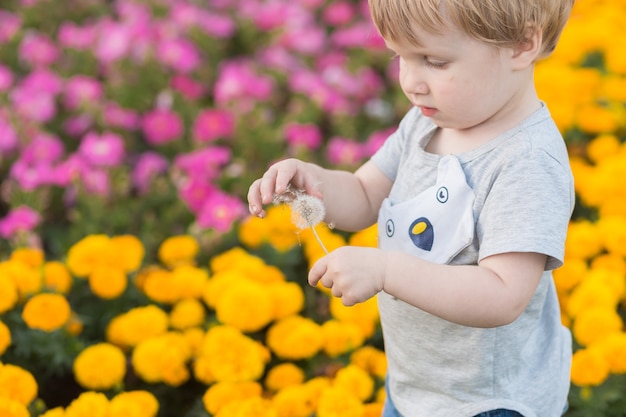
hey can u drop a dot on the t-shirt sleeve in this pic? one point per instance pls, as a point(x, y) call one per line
point(528, 208)
point(388, 156)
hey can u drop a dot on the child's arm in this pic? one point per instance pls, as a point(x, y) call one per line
point(351, 200)
point(493, 293)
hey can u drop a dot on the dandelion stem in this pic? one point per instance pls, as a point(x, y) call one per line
point(319, 240)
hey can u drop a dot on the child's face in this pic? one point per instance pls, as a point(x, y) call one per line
point(458, 82)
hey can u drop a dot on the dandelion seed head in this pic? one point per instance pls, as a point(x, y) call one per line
point(307, 211)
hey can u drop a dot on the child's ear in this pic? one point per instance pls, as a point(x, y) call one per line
point(526, 52)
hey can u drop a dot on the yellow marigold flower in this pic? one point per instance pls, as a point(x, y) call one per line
point(89, 404)
point(288, 299)
point(57, 277)
point(603, 146)
point(5, 337)
point(12, 408)
point(610, 262)
point(589, 367)
point(593, 118)
point(74, 325)
point(27, 279)
point(370, 359)
point(46, 312)
point(341, 337)
point(100, 367)
point(570, 274)
point(293, 401)
point(32, 257)
point(17, 384)
point(295, 338)
point(614, 55)
point(583, 240)
point(315, 386)
point(159, 286)
point(90, 252)
point(229, 355)
point(338, 401)
point(249, 407)
point(374, 409)
point(284, 375)
point(367, 237)
point(162, 359)
point(178, 250)
point(8, 293)
point(612, 279)
point(613, 232)
point(54, 412)
point(355, 380)
point(282, 233)
point(131, 252)
point(245, 305)
point(215, 287)
point(614, 87)
point(589, 294)
point(194, 337)
point(222, 393)
point(381, 395)
point(187, 313)
point(136, 325)
point(253, 232)
point(365, 315)
point(236, 259)
point(134, 404)
point(596, 323)
point(108, 282)
point(613, 347)
point(266, 274)
point(190, 281)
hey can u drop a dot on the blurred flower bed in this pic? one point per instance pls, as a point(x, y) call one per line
point(132, 283)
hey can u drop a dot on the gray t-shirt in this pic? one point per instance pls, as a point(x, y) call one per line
point(523, 200)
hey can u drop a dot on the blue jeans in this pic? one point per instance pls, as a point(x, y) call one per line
point(390, 411)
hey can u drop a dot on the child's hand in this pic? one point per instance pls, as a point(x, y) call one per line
point(353, 273)
point(278, 178)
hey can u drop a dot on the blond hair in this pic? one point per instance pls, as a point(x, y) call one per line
point(502, 23)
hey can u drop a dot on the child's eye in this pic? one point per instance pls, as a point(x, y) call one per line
point(435, 64)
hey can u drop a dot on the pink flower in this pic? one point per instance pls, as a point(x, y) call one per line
point(178, 54)
point(8, 137)
point(42, 80)
point(71, 35)
point(194, 192)
point(203, 163)
point(6, 78)
point(116, 116)
point(308, 40)
point(376, 140)
point(76, 126)
point(238, 81)
point(338, 13)
point(43, 147)
point(217, 25)
point(162, 126)
point(106, 150)
point(29, 176)
point(35, 105)
point(96, 182)
point(9, 25)
point(82, 90)
point(69, 171)
point(220, 211)
point(148, 165)
point(213, 124)
point(38, 50)
point(342, 151)
point(306, 135)
point(187, 86)
point(19, 219)
point(114, 42)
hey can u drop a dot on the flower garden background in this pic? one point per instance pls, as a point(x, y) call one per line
point(132, 281)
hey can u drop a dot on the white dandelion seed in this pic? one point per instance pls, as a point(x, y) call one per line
point(306, 210)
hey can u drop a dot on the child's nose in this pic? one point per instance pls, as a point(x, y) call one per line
point(413, 83)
